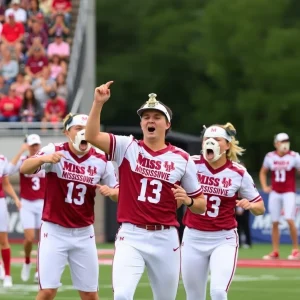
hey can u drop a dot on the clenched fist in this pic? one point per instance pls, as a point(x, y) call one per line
point(180, 195)
point(53, 158)
point(102, 93)
point(244, 203)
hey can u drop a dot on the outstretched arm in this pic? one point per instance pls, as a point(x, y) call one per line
point(93, 135)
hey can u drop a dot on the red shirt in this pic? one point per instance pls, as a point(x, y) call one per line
point(10, 106)
point(61, 5)
point(35, 64)
point(12, 32)
point(55, 107)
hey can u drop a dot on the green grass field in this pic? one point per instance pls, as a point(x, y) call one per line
point(248, 284)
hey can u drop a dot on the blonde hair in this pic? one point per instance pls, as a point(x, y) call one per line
point(66, 120)
point(234, 149)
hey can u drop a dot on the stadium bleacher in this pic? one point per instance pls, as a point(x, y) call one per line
point(34, 56)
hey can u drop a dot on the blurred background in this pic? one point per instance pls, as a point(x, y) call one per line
point(211, 61)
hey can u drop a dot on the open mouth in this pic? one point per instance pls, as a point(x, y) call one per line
point(83, 145)
point(209, 154)
point(151, 129)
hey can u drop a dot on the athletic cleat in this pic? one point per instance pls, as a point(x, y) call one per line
point(36, 277)
point(295, 255)
point(7, 282)
point(272, 255)
point(25, 273)
point(2, 273)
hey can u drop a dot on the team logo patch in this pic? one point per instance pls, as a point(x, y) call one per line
point(169, 166)
point(92, 170)
point(226, 182)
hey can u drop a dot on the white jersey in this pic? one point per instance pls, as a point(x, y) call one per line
point(221, 187)
point(4, 171)
point(283, 170)
point(71, 185)
point(146, 178)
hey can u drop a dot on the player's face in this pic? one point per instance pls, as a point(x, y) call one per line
point(33, 149)
point(71, 133)
point(282, 147)
point(210, 153)
point(154, 124)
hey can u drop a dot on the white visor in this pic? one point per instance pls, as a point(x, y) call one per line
point(152, 103)
point(217, 131)
point(78, 120)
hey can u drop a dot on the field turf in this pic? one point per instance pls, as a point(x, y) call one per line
point(249, 283)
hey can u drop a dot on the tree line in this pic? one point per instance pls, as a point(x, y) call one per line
point(211, 61)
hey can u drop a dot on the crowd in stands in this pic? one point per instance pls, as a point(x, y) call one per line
point(34, 55)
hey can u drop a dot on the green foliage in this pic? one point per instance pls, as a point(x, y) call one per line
point(210, 61)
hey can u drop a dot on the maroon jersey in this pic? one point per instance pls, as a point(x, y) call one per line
point(146, 178)
point(71, 185)
point(283, 170)
point(221, 187)
point(32, 187)
point(3, 172)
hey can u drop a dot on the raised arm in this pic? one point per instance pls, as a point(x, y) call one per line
point(93, 135)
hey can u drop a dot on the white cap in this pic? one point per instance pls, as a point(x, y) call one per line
point(78, 120)
point(280, 137)
point(15, 2)
point(33, 139)
point(152, 103)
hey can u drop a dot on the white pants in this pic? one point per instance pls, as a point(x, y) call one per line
point(58, 246)
point(285, 201)
point(203, 251)
point(158, 250)
point(31, 213)
point(4, 216)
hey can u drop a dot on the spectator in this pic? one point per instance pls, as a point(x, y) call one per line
point(9, 67)
point(59, 47)
point(4, 87)
point(31, 110)
point(55, 109)
point(2, 11)
point(37, 33)
point(64, 7)
point(40, 18)
point(12, 35)
point(59, 27)
point(36, 63)
point(61, 86)
point(46, 6)
point(10, 107)
point(33, 12)
point(42, 86)
point(21, 85)
point(18, 12)
point(57, 66)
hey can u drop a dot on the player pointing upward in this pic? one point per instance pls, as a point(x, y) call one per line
point(153, 176)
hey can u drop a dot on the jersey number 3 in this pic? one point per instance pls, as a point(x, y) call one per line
point(156, 190)
point(35, 183)
point(213, 211)
point(81, 191)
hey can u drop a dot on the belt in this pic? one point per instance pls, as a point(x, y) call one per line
point(154, 227)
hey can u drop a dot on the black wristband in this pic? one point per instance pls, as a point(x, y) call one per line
point(192, 203)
